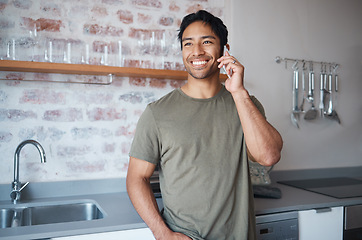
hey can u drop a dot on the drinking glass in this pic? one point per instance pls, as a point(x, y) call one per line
point(104, 58)
point(85, 54)
point(11, 49)
point(48, 52)
point(120, 58)
point(34, 37)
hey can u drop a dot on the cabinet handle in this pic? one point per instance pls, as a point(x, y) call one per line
point(323, 210)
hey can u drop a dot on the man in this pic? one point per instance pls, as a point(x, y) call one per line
point(201, 135)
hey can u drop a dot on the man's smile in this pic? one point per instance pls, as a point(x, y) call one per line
point(199, 63)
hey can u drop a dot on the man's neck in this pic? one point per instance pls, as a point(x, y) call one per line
point(202, 88)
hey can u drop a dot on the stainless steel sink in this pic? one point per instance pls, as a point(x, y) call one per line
point(6, 217)
point(28, 215)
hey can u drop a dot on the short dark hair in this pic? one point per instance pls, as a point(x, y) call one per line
point(216, 24)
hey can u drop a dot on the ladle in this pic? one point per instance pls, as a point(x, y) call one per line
point(331, 113)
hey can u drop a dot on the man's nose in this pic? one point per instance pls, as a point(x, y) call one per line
point(198, 50)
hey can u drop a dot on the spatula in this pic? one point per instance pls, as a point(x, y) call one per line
point(295, 111)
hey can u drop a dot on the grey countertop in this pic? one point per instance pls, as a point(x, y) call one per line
point(119, 215)
point(111, 196)
point(295, 199)
point(299, 199)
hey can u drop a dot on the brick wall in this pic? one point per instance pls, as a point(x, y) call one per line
point(85, 129)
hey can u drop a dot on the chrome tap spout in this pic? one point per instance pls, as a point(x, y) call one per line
point(16, 184)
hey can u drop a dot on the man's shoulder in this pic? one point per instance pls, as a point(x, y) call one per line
point(169, 98)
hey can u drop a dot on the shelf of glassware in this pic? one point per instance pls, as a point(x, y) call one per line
point(85, 69)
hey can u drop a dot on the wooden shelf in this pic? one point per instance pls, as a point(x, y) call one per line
point(84, 69)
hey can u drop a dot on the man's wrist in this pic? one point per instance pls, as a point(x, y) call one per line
point(162, 232)
point(241, 94)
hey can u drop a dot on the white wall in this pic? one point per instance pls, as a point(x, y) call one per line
point(322, 30)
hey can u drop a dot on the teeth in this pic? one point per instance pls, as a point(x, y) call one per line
point(199, 62)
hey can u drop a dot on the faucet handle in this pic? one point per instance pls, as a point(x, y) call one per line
point(26, 184)
point(16, 193)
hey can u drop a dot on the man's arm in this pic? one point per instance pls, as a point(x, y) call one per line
point(263, 141)
point(141, 195)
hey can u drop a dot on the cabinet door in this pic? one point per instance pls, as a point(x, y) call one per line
point(317, 224)
point(142, 233)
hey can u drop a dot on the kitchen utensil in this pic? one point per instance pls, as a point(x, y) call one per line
point(295, 111)
point(323, 92)
point(311, 114)
point(303, 88)
point(330, 105)
point(331, 113)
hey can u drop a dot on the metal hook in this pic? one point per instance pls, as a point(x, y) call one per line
point(335, 66)
point(311, 66)
point(295, 65)
point(278, 59)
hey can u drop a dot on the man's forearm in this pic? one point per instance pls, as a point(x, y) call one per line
point(262, 139)
point(141, 195)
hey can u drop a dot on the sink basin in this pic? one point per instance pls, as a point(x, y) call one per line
point(6, 217)
point(28, 215)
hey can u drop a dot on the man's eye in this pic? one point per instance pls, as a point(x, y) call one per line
point(187, 44)
point(207, 42)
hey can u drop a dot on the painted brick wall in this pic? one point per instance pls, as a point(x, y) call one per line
point(85, 129)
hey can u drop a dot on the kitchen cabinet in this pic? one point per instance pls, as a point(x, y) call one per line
point(141, 233)
point(317, 224)
point(86, 69)
point(352, 222)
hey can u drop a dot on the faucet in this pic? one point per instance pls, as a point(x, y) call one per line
point(16, 184)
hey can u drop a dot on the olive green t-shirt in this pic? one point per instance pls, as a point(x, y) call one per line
point(204, 175)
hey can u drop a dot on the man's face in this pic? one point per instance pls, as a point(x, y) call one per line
point(200, 50)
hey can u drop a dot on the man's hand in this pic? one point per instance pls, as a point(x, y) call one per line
point(177, 236)
point(168, 234)
point(236, 81)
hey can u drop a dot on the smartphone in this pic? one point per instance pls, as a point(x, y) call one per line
point(231, 71)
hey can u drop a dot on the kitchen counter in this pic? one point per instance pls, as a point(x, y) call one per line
point(119, 215)
point(111, 196)
point(295, 199)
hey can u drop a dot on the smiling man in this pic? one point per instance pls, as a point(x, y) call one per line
point(201, 136)
point(200, 51)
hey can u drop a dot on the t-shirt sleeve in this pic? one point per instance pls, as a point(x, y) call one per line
point(258, 105)
point(145, 145)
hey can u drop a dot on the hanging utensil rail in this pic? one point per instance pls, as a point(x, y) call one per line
point(327, 95)
point(286, 60)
